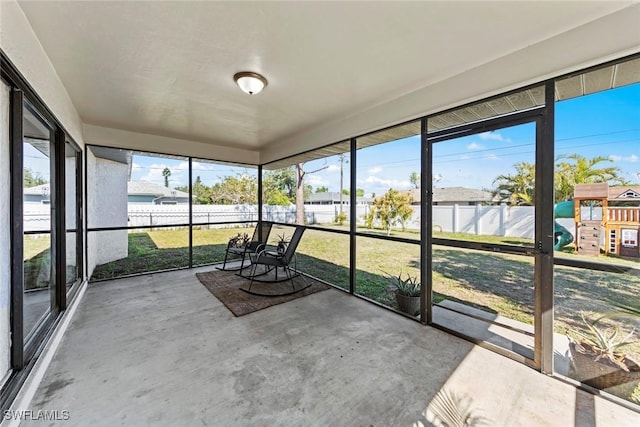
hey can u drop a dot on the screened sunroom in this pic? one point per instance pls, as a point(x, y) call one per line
point(454, 185)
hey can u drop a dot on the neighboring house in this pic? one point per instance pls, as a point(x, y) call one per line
point(449, 196)
point(145, 193)
point(333, 198)
point(40, 194)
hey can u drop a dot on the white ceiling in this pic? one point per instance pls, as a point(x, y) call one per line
point(165, 68)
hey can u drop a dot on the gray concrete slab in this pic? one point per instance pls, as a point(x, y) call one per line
point(161, 350)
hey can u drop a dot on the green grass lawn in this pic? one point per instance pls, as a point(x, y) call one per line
point(35, 244)
point(498, 283)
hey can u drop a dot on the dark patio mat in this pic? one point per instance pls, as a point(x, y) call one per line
point(225, 286)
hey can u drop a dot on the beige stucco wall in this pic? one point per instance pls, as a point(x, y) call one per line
point(106, 207)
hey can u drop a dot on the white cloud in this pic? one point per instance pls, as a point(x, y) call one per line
point(179, 174)
point(475, 146)
point(201, 166)
point(333, 168)
point(491, 156)
point(631, 159)
point(388, 183)
point(374, 170)
point(494, 136)
point(315, 180)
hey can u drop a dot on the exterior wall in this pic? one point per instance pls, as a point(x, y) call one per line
point(33, 198)
point(151, 200)
point(5, 235)
point(144, 200)
point(20, 44)
point(172, 200)
point(106, 207)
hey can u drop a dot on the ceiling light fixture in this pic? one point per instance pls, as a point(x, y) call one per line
point(249, 82)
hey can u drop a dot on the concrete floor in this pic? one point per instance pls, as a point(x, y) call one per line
point(161, 350)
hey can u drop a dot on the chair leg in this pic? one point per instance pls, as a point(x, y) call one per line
point(293, 286)
point(226, 255)
point(253, 273)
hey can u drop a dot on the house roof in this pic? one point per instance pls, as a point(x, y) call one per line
point(624, 193)
point(146, 188)
point(454, 194)
point(601, 190)
point(38, 190)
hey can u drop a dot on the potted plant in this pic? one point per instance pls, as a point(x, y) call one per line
point(597, 355)
point(282, 243)
point(407, 293)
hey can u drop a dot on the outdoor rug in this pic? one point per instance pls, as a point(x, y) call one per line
point(225, 285)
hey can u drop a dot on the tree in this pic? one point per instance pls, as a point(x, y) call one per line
point(322, 189)
point(414, 178)
point(31, 179)
point(359, 192)
point(578, 169)
point(391, 208)
point(235, 190)
point(300, 189)
point(517, 188)
point(199, 191)
point(166, 173)
point(279, 187)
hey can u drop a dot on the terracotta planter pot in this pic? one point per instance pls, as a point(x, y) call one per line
point(600, 374)
point(406, 304)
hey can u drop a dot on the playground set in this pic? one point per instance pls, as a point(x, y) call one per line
point(606, 218)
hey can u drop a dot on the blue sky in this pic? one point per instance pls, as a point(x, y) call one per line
point(602, 124)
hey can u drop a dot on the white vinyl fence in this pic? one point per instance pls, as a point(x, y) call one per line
point(509, 221)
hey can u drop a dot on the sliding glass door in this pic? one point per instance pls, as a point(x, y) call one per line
point(39, 282)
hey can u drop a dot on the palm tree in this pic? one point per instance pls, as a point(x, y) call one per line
point(166, 173)
point(578, 169)
point(518, 188)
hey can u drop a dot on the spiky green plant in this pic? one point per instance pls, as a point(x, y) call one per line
point(283, 238)
point(409, 287)
point(605, 342)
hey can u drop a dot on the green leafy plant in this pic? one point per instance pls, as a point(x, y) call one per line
point(282, 238)
point(605, 343)
point(409, 287)
point(340, 218)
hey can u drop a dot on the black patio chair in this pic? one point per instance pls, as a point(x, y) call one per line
point(258, 241)
point(271, 261)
